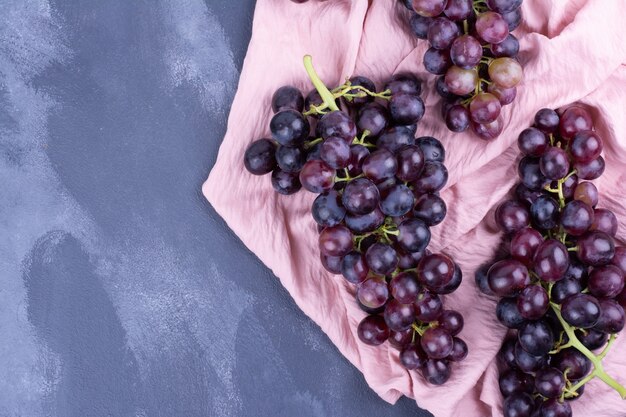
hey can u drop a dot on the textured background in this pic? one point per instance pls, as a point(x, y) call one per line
point(121, 292)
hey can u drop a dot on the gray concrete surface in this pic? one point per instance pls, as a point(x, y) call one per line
point(122, 293)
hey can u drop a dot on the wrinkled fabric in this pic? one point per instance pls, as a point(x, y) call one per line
point(572, 50)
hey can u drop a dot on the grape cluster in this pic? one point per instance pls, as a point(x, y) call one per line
point(378, 195)
point(562, 282)
point(474, 54)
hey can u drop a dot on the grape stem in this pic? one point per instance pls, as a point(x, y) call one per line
point(327, 96)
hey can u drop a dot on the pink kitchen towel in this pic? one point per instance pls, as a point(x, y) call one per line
point(572, 50)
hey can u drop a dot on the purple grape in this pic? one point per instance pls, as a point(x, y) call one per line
point(533, 302)
point(513, 19)
point(604, 221)
point(524, 244)
point(531, 174)
point(484, 108)
point(586, 146)
point(595, 248)
point(428, 306)
point(432, 149)
point(551, 261)
point(564, 289)
point(547, 120)
point(430, 208)
point(508, 313)
point(406, 109)
point(506, 355)
point(401, 340)
point(380, 165)
point(365, 223)
point(289, 128)
point(373, 292)
point(335, 152)
point(435, 271)
point(259, 158)
point(437, 343)
point(360, 196)
point(573, 362)
point(457, 118)
point(573, 120)
point(504, 6)
point(285, 183)
point(592, 339)
point(550, 382)
point(453, 284)
point(577, 218)
point(372, 117)
point(504, 95)
point(337, 123)
point(413, 357)
point(612, 317)
point(437, 61)
point(466, 52)
point(335, 241)
point(581, 310)
point(458, 10)
point(436, 372)
point(408, 260)
point(317, 177)
point(525, 195)
point(619, 259)
point(507, 277)
point(488, 131)
point(587, 193)
point(419, 25)
point(290, 159)
point(512, 381)
point(429, 8)
point(395, 139)
point(452, 321)
point(404, 287)
point(354, 268)
point(606, 281)
point(491, 27)
point(414, 235)
point(555, 408)
point(433, 178)
point(398, 316)
point(398, 201)
point(358, 153)
point(512, 216)
point(508, 47)
point(365, 83)
point(287, 98)
point(590, 170)
point(381, 258)
point(459, 350)
point(532, 142)
point(544, 213)
point(373, 331)
point(536, 337)
point(518, 405)
point(410, 163)
point(554, 163)
point(458, 80)
point(527, 362)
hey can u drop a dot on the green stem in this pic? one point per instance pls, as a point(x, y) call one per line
point(312, 143)
point(604, 352)
point(326, 95)
point(417, 329)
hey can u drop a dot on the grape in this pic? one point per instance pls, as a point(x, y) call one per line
point(592, 339)
point(573, 120)
point(488, 131)
point(395, 139)
point(459, 350)
point(586, 146)
point(491, 27)
point(430, 208)
point(524, 244)
point(536, 337)
point(259, 157)
point(504, 6)
point(513, 19)
point(484, 108)
point(551, 260)
point(313, 99)
point(413, 357)
point(525, 195)
point(458, 10)
point(461, 81)
point(544, 212)
point(380, 165)
point(554, 163)
point(404, 83)
point(406, 108)
point(513, 381)
point(381, 258)
point(581, 310)
point(455, 282)
point(289, 128)
point(606, 281)
point(587, 193)
point(435, 271)
point(590, 170)
point(401, 340)
point(532, 142)
point(358, 153)
point(437, 61)
point(335, 152)
point(436, 372)
point(442, 32)
point(507, 277)
point(595, 248)
point(410, 163)
point(508, 47)
point(287, 98)
point(429, 8)
point(290, 159)
point(414, 235)
point(331, 263)
point(605, 221)
point(335, 241)
point(577, 217)
point(368, 310)
point(372, 117)
point(531, 174)
point(365, 223)
point(506, 72)
point(373, 292)
point(533, 302)
point(451, 321)
point(373, 331)
point(564, 289)
point(527, 362)
point(504, 95)
point(568, 186)
point(354, 268)
point(337, 123)
point(619, 259)
point(518, 405)
point(398, 201)
point(360, 196)
point(432, 179)
point(285, 183)
point(398, 316)
point(365, 83)
point(457, 118)
point(436, 343)
point(508, 313)
point(313, 153)
point(466, 52)
point(555, 408)
point(547, 120)
point(506, 355)
point(612, 317)
point(573, 362)
point(512, 216)
point(419, 25)
point(408, 260)
point(404, 287)
point(442, 88)
point(317, 177)
point(550, 382)
point(432, 148)
point(428, 306)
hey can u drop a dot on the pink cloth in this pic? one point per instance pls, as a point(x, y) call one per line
point(572, 50)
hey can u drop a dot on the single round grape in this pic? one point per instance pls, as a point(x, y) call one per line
point(337, 123)
point(437, 61)
point(533, 302)
point(335, 152)
point(554, 163)
point(507, 277)
point(466, 52)
point(404, 287)
point(410, 163)
point(508, 313)
point(595, 248)
point(590, 170)
point(399, 316)
point(360, 196)
point(287, 98)
point(459, 350)
point(504, 95)
point(581, 310)
point(506, 355)
point(433, 178)
point(373, 331)
point(381, 258)
point(437, 343)
point(544, 212)
point(408, 260)
point(488, 131)
point(404, 83)
point(380, 165)
point(358, 153)
point(513, 19)
point(432, 148)
point(372, 117)
point(612, 317)
point(605, 221)
point(436, 372)
point(586, 146)
point(606, 281)
point(452, 321)
point(365, 83)
point(458, 10)
point(461, 81)
point(573, 120)
point(290, 159)
point(484, 108)
point(527, 362)
point(428, 306)
point(551, 260)
point(512, 216)
point(335, 240)
point(550, 382)
point(331, 263)
point(395, 138)
point(419, 25)
point(429, 8)
point(536, 337)
point(414, 235)
point(504, 6)
point(365, 223)
point(509, 47)
point(491, 27)
point(413, 357)
point(406, 108)
point(506, 72)
point(317, 177)
point(533, 142)
point(457, 118)
point(513, 381)
point(592, 339)
point(555, 408)
point(526, 195)
point(587, 193)
point(454, 284)
point(398, 201)
point(547, 120)
point(373, 292)
point(354, 268)
point(442, 32)
point(518, 405)
point(259, 158)
point(577, 217)
point(531, 174)
point(573, 361)
point(442, 88)
point(524, 244)
point(435, 271)
point(401, 340)
point(430, 208)
point(289, 128)
point(285, 183)
point(565, 288)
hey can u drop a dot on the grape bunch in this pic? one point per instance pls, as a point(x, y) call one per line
point(378, 195)
point(562, 281)
point(474, 54)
